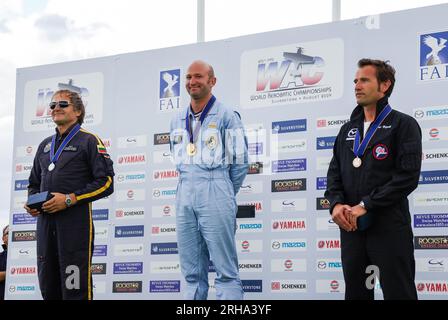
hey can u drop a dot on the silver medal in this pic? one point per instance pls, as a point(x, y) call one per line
point(357, 162)
point(51, 166)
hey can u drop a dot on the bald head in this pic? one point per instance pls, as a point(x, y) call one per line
point(200, 79)
point(203, 64)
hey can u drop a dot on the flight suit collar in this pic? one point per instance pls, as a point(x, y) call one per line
point(213, 110)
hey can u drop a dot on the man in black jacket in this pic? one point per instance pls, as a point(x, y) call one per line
point(375, 166)
point(74, 166)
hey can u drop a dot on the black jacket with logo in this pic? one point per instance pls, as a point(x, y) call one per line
point(84, 168)
point(389, 172)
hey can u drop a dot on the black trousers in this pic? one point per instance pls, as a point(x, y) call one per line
point(64, 254)
point(391, 251)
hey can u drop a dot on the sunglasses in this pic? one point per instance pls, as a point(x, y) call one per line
point(62, 104)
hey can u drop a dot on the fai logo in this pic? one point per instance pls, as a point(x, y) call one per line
point(380, 152)
point(169, 93)
point(433, 56)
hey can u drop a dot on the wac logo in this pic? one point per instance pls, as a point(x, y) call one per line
point(169, 93)
point(296, 70)
point(434, 56)
point(44, 97)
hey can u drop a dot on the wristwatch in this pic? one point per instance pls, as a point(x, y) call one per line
point(361, 204)
point(68, 200)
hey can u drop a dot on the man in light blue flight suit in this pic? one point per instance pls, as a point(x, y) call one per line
point(209, 148)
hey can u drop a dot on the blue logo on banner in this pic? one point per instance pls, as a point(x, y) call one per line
point(100, 250)
point(23, 218)
point(129, 231)
point(255, 148)
point(433, 220)
point(433, 49)
point(100, 214)
point(128, 267)
point(164, 248)
point(433, 177)
point(252, 285)
point(289, 126)
point(325, 143)
point(321, 183)
point(289, 165)
point(164, 286)
point(20, 185)
point(169, 84)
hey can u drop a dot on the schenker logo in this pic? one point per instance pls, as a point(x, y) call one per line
point(28, 235)
point(288, 286)
point(433, 287)
point(251, 266)
point(328, 244)
point(288, 185)
point(289, 225)
point(431, 242)
point(23, 271)
point(130, 213)
point(163, 230)
point(138, 158)
point(127, 286)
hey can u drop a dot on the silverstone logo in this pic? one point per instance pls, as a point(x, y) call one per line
point(169, 90)
point(433, 56)
point(433, 177)
point(292, 74)
point(129, 231)
point(164, 248)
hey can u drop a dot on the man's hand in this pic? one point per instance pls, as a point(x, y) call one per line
point(33, 212)
point(340, 214)
point(55, 204)
point(356, 212)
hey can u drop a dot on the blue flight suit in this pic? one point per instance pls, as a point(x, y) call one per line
point(66, 237)
point(205, 201)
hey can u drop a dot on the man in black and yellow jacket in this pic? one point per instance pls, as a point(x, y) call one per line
point(74, 166)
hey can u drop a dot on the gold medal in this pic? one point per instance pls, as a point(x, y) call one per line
point(357, 162)
point(191, 149)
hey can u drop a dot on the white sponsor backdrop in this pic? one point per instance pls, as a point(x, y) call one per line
point(298, 82)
